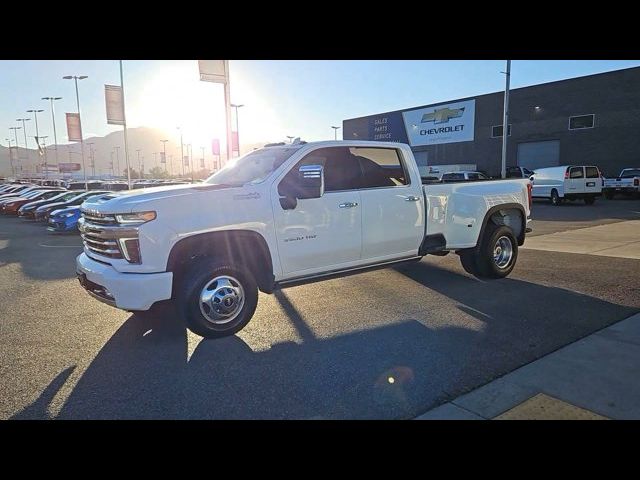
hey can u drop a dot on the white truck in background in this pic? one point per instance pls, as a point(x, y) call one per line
point(627, 183)
point(288, 214)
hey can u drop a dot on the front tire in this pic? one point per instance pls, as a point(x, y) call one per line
point(216, 299)
point(555, 198)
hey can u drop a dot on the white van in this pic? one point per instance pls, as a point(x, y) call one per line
point(567, 183)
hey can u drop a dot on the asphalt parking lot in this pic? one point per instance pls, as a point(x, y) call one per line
point(388, 344)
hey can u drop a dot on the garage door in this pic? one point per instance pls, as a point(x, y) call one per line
point(534, 155)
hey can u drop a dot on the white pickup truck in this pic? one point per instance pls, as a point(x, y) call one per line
point(627, 183)
point(288, 214)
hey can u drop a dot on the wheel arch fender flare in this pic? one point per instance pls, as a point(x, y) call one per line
point(497, 210)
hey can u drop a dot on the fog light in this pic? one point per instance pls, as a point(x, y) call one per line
point(130, 249)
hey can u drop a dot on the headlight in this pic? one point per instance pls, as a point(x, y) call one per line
point(139, 217)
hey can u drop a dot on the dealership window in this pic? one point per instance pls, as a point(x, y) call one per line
point(381, 167)
point(581, 121)
point(496, 131)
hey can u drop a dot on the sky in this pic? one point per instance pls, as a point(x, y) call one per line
point(281, 98)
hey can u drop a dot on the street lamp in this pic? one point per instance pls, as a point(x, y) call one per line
point(335, 132)
point(75, 78)
point(182, 150)
point(24, 131)
point(237, 125)
point(10, 154)
point(290, 138)
point(53, 120)
point(164, 153)
point(118, 158)
point(15, 132)
point(44, 152)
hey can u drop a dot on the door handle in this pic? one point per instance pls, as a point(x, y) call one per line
point(411, 198)
point(348, 205)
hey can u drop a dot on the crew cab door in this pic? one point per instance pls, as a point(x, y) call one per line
point(576, 181)
point(320, 234)
point(392, 205)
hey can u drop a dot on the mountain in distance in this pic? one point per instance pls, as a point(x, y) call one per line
point(145, 139)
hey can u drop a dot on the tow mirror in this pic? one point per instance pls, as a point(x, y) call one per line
point(310, 182)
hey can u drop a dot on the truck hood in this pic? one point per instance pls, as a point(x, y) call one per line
point(136, 200)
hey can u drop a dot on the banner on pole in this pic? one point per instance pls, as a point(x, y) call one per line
point(216, 71)
point(40, 151)
point(215, 146)
point(74, 129)
point(115, 104)
point(163, 158)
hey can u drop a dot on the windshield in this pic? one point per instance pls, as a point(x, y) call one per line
point(631, 172)
point(253, 167)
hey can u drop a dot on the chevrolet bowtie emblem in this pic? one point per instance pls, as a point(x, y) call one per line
point(442, 115)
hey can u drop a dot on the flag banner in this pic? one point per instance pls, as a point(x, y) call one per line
point(234, 142)
point(202, 163)
point(163, 158)
point(40, 151)
point(186, 161)
point(216, 71)
point(74, 129)
point(215, 146)
point(115, 104)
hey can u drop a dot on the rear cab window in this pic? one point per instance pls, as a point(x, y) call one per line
point(592, 172)
point(576, 172)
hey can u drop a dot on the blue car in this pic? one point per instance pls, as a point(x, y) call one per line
point(64, 220)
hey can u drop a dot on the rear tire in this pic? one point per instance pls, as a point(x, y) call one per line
point(589, 200)
point(496, 255)
point(555, 198)
point(216, 299)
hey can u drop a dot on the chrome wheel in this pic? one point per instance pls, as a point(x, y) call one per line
point(221, 299)
point(503, 252)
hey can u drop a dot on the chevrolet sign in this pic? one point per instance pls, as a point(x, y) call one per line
point(452, 123)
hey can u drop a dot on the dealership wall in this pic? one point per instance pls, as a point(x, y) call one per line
point(613, 143)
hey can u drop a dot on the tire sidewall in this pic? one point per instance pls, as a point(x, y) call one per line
point(555, 199)
point(189, 300)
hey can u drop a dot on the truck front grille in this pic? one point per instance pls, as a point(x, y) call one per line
point(100, 234)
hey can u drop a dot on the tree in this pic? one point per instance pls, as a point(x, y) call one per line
point(134, 173)
point(157, 172)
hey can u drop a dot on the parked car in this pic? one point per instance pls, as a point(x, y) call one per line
point(572, 182)
point(64, 220)
point(11, 207)
point(15, 190)
point(79, 185)
point(289, 214)
point(518, 172)
point(28, 210)
point(22, 195)
point(114, 186)
point(627, 183)
point(463, 176)
point(42, 213)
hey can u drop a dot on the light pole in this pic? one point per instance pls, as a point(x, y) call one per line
point(505, 121)
point(10, 155)
point(181, 150)
point(335, 132)
point(111, 163)
point(76, 78)
point(118, 159)
point(164, 153)
point(35, 115)
point(44, 151)
point(93, 160)
point(15, 132)
point(290, 138)
point(202, 162)
point(53, 120)
point(139, 169)
point(24, 131)
point(237, 124)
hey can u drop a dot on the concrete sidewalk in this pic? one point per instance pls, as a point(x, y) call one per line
point(597, 377)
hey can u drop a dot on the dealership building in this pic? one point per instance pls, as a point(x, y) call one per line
point(592, 120)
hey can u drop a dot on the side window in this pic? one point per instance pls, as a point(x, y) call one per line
point(341, 170)
point(592, 172)
point(381, 167)
point(513, 172)
point(576, 172)
point(473, 176)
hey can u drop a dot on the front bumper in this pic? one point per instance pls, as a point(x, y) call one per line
point(128, 291)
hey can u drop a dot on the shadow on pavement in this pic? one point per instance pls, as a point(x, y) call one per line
point(397, 370)
point(41, 256)
point(39, 408)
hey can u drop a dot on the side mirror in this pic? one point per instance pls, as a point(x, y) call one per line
point(310, 182)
